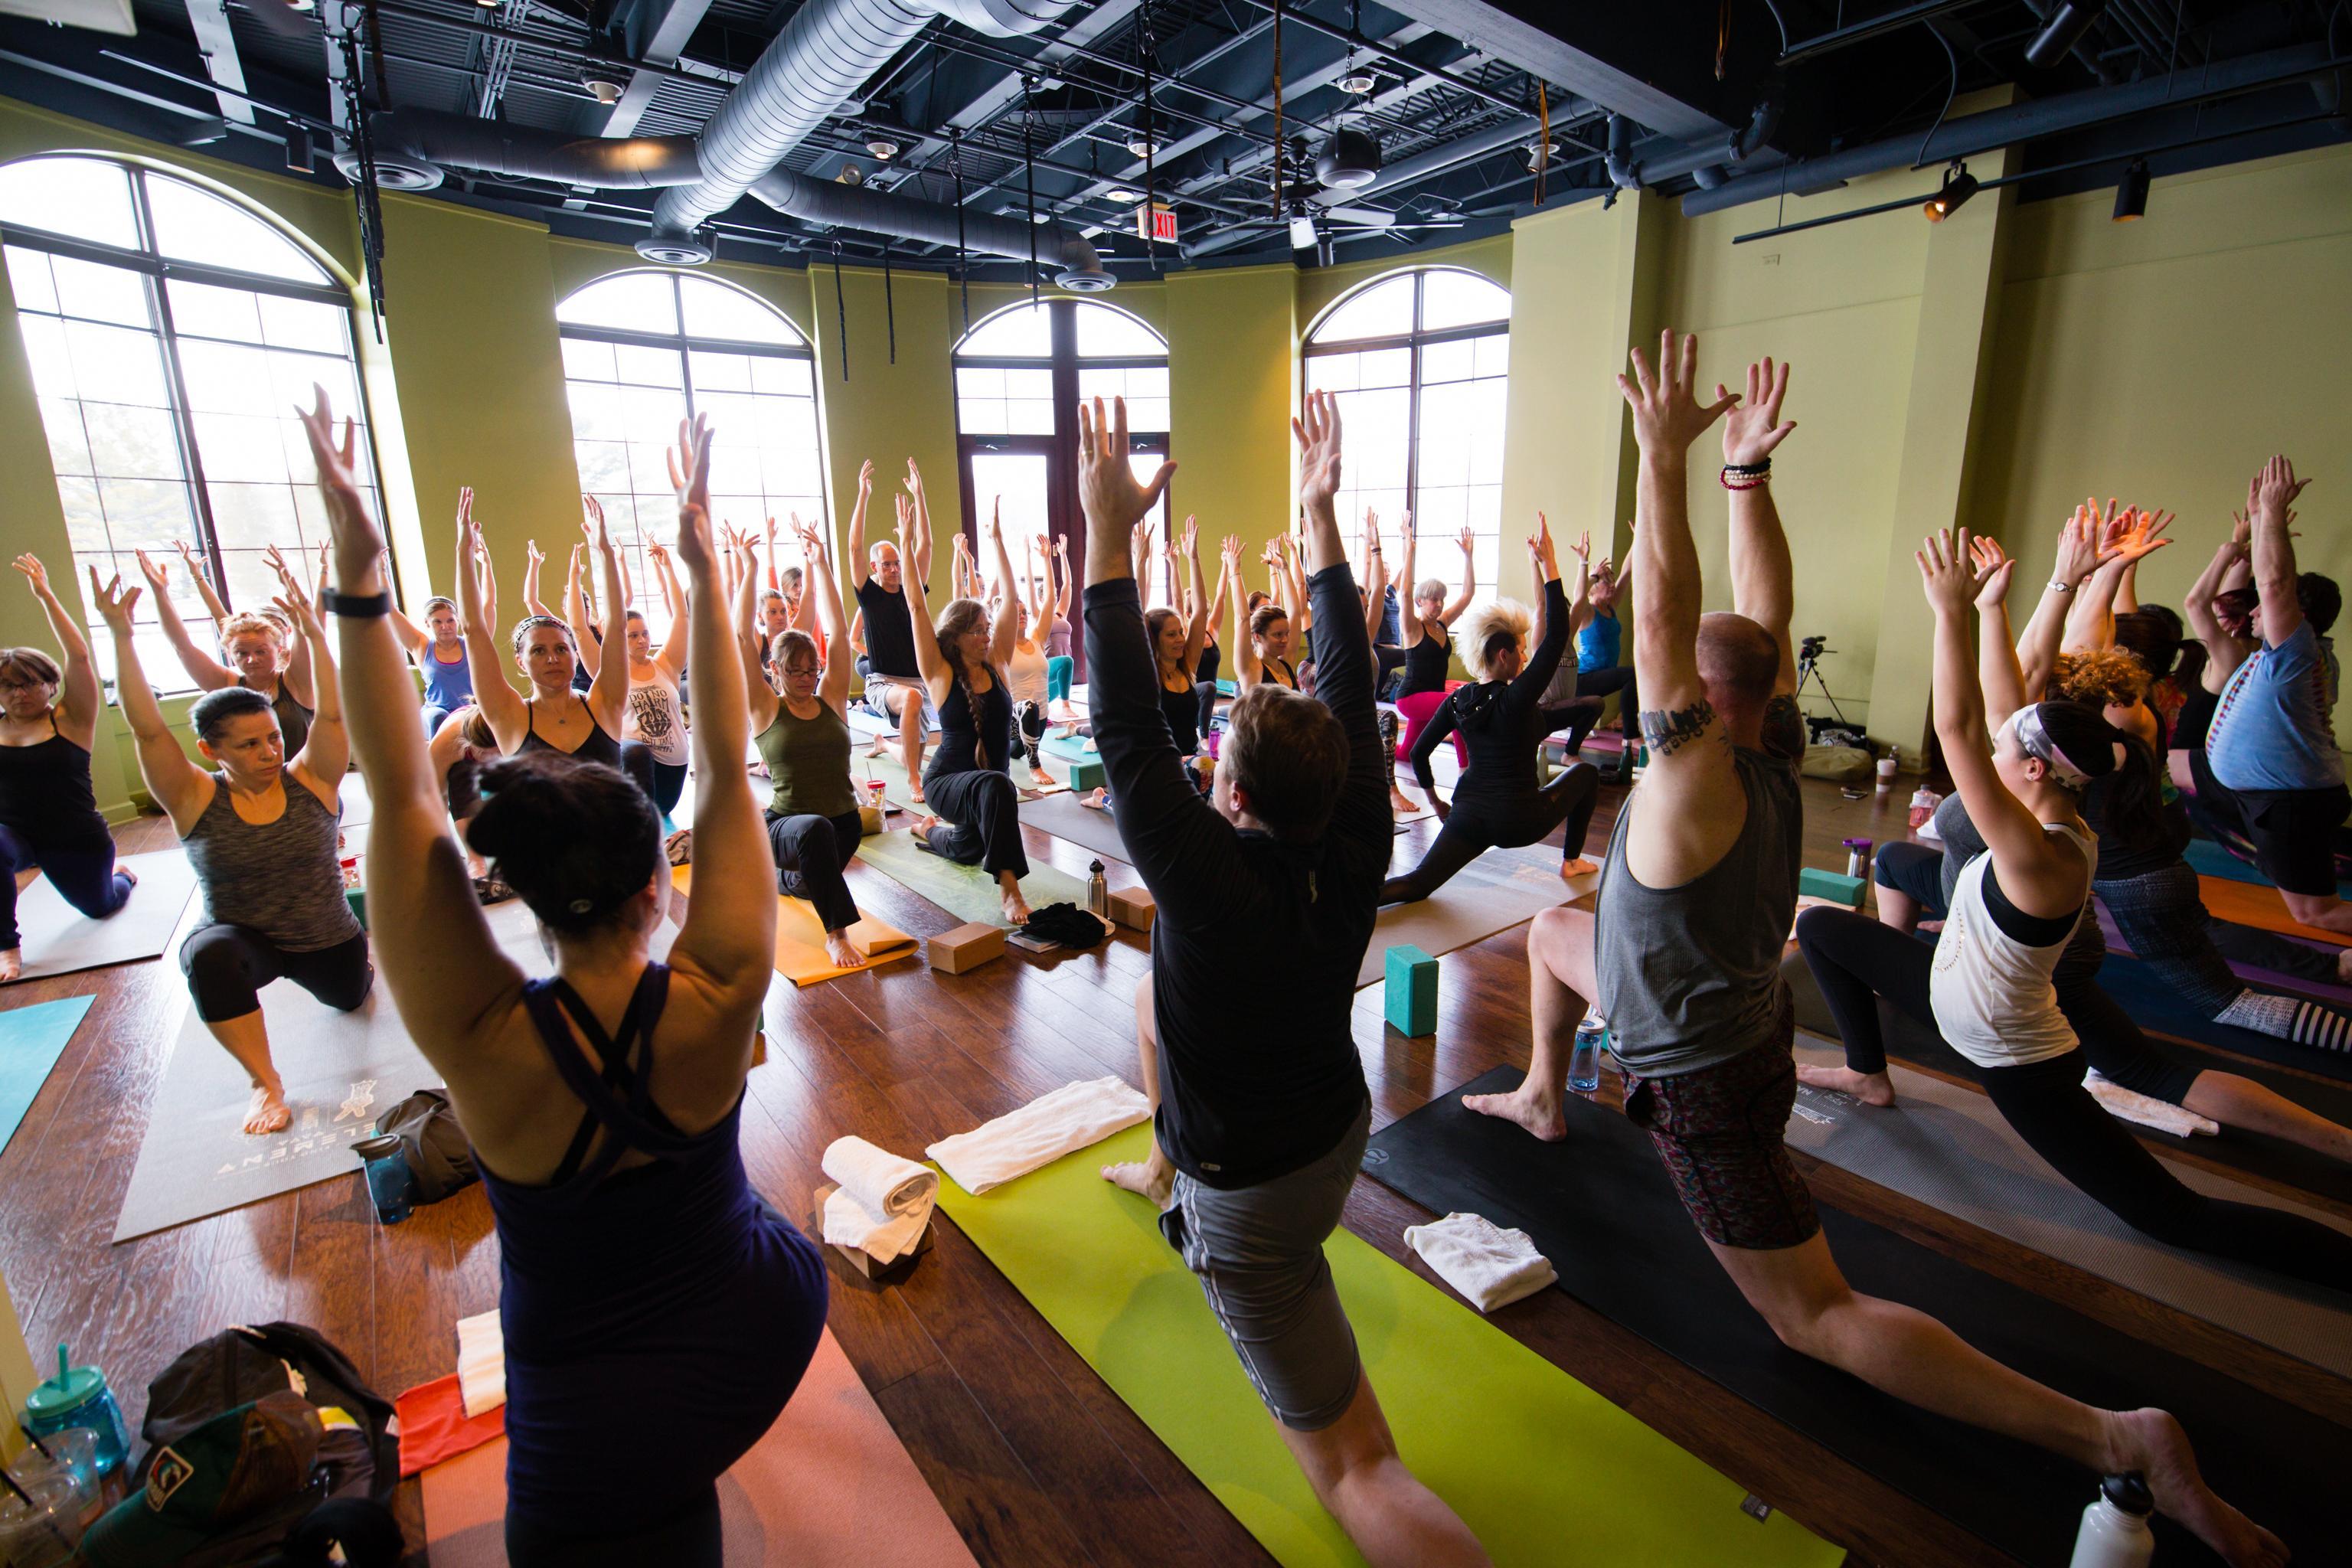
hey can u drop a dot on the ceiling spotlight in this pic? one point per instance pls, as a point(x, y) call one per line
point(883, 149)
point(850, 174)
point(1539, 153)
point(1350, 158)
point(2131, 192)
point(1958, 187)
point(2066, 27)
point(1359, 82)
point(1122, 195)
point(602, 80)
point(1141, 143)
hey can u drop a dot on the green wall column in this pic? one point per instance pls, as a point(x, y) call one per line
point(1232, 386)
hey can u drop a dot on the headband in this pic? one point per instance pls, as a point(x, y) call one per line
point(2035, 741)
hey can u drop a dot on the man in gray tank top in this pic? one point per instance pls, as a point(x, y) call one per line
point(1695, 905)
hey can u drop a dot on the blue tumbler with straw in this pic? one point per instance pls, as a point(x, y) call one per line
point(78, 1396)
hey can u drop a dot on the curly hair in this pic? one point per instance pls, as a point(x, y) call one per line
point(2107, 679)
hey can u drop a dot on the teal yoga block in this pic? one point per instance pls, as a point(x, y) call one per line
point(1836, 886)
point(1086, 772)
point(1411, 990)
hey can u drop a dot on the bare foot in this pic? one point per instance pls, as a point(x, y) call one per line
point(267, 1112)
point(845, 956)
point(1154, 1178)
point(1043, 779)
point(126, 873)
point(1100, 799)
point(12, 965)
point(1579, 866)
point(1016, 908)
point(1870, 1087)
point(2152, 1443)
point(2344, 967)
point(924, 824)
point(1403, 805)
point(915, 789)
point(1524, 1106)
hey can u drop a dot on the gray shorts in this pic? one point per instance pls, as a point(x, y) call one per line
point(1259, 1253)
point(920, 688)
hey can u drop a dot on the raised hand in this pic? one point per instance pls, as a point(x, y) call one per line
point(1582, 548)
point(691, 475)
point(658, 554)
point(1946, 573)
point(1667, 413)
point(1319, 451)
point(188, 556)
point(1108, 492)
point(296, 608)
point(1469, 543)
point(2080, 548)
point(1540, 546)
point(357, 541)
point(531, 547)
point(1754, 428)
point(2274, 490)
point(36, 576)
point(1061, 548)
point(591, 522)
point(1993, 567)
point(114, 603)
point(159, 577)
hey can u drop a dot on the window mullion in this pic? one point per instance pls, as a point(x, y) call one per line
point(183, 421)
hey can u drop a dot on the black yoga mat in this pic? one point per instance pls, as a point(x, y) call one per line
point(1599, 1206)
point(2155, 1005)
point(2256, 1153)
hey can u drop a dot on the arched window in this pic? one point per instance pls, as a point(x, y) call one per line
point(172, 334)
point(645, 349)
point(1420, 361)
point(1019, 375)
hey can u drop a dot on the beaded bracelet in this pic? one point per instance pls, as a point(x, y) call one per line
point(1732, 479)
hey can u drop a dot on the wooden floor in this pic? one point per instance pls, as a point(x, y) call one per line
point(1034, 1459)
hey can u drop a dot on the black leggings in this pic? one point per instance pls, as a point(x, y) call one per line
point(1618, 679)
point(980, 822)
point(637, 762)
point(2048, 1107)
point(85, 877)
point(690, 1537)
point(811, 851)
point(1471, 829)
point(227, 965)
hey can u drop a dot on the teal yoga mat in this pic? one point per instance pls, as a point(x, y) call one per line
point(31, 1040)
point(2210, 858)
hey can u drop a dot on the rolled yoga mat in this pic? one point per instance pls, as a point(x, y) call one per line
point(1501, 888)
point(800, 957)
point(1599, 1205)
point(2254, 1154)
point(60, 939)
point(966, 893)
point(1528, 1457)
point(830, 1486)
point(1949, 1147)
point(31, 1040)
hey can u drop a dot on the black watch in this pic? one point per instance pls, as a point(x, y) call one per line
point(357, 606)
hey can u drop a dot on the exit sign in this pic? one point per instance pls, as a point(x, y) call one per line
point(1156, 221)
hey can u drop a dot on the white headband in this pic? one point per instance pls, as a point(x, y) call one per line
point(2035, 741)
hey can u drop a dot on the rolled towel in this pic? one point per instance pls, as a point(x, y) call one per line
point(884, 1202)
point(1039, 1134)
point(2129, 1105)
point(481, 1363)
point(1489, 1265)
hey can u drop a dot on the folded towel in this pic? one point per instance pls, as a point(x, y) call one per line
point(433, 1424)
point(2128, 1105)
point(1039, 1134)
point(883, 1201)
point(481, 1363)
point(1492, 1267)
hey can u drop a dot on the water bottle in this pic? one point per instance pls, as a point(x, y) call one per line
point(78, 1397)
point(2115, 1532)
point(390, 1183)
point(1098, 892)
point(1584, 1066)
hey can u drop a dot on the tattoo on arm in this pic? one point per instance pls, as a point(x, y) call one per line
point(1784, 728)
point(1666, 731)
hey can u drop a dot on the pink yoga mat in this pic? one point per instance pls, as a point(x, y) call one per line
point(829, 1487)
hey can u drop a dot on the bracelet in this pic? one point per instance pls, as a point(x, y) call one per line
point(2058, 588)
point(357, 606)
point(1731, 480)
point(1763, 468)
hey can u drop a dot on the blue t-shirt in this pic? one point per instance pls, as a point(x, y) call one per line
point(1597, 644)
point(2270, 728)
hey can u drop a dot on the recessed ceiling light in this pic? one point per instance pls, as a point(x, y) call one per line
point(1121, 195)
point(602, 80)
point(1359, 82)
point(883, 147)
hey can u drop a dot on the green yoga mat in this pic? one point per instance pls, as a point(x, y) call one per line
point(966, 893)
point(1542, 1468)
point(31, 1040)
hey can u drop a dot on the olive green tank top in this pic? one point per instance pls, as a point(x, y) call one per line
point(808, 761)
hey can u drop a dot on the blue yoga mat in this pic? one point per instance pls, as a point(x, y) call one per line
point(31, 1040)
point(2210, 858)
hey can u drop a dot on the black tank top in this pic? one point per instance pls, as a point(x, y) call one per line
point(46, 795)
point(1184, 712)
point(1426, 664)
point(969, 742)
point(599, 747)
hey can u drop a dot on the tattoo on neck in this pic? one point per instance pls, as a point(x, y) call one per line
point(1668, 731)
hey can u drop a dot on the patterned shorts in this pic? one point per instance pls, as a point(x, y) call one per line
point(1720, 1130)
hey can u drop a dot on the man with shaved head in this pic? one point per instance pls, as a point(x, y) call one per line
point(894, 685)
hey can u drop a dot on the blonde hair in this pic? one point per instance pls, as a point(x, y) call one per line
point(1488, 630)
point(247, 621)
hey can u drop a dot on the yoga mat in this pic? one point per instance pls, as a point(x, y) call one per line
point(898, 792)
point(2211, 858)
point(341, 1071)
point(1067, 818)
point(2254, 1154)
point(2252, 974)
point(1599, 1206)
point(830, 1486)
point(1949, 1147)
point(1495, 892)
point(2261, 906)
point(1530, 1459)
point(800, 957)
point(2157, 1007)
point(966, 893)
point(60, 939)
point(31, 1040)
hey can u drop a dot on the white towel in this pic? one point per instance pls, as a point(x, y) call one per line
point(883, 1201)
point(2129, 1105)
point(1039, 1134)
point(481, 1363)
point(1492, 1267)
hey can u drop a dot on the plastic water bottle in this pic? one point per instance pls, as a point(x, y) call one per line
point(1584, 1066)
point(1098, 892)
point(392, 1186)
point(2115, 1532)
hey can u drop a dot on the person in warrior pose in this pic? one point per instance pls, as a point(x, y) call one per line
point(895, 688)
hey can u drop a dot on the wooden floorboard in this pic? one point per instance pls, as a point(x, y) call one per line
point(1033, 1457)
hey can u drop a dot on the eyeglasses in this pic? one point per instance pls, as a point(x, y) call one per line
point(807, 669)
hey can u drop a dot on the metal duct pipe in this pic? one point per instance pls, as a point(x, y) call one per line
point(1620, 160)
point(933, 223)
point(1975, 134)
point(821, 60)
point(422, 141)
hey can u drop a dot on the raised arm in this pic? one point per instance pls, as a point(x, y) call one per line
point(297, 675)
point(760, 698)
point(1461, 601)
point(575, 600)
point(1376, 575)
point(1196, 631)
point(1062, 591)
point(2223, 652)
point(208, 673)
point(671, 659)
point(2273, 553)
point(326, 755)
point(533, 559)
point(1295, 566)
point(1246, 669)
point(928, 660)
point(581, 615)
point(819, 583)
point(178, 786)
point(1216, 616)
point(79, 698)
point(2078, 557)
point(1002, 634)
point(860, 566)
point(201, 579)
point(922, 561)
point(1763, 585)
point(1999, 674)
point(608, 692)
point(1579, 598)
point(502, 708)
point(1543, 660)
point(1410, 631)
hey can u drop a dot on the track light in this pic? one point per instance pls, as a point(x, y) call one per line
point(299, 155)
point(2131, 192)
point(602, 80)
point(883, 149)
point(2066, 27)
point(1539, 153)
point(1958, 187)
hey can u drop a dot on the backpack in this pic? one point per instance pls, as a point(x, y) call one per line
point(358, 1464)
point(432, 1141)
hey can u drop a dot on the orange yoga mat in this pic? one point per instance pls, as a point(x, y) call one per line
point(2254, 904)
point(829, 1487)
point(800, 957)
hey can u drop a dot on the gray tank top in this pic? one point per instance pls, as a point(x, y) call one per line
point(1690, 977)
point(280, 878)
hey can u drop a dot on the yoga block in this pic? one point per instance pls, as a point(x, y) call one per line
point(865, 1263)
point(1411, 991)
point(966, 947)
point(357, 899)
point(1835, 887)
point(1086, 772)
point(1133, 908)
point(870, 818)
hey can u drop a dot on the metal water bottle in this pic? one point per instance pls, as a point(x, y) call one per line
point(1584, 1065)
point(2113, 1532)
point(1098, 892)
